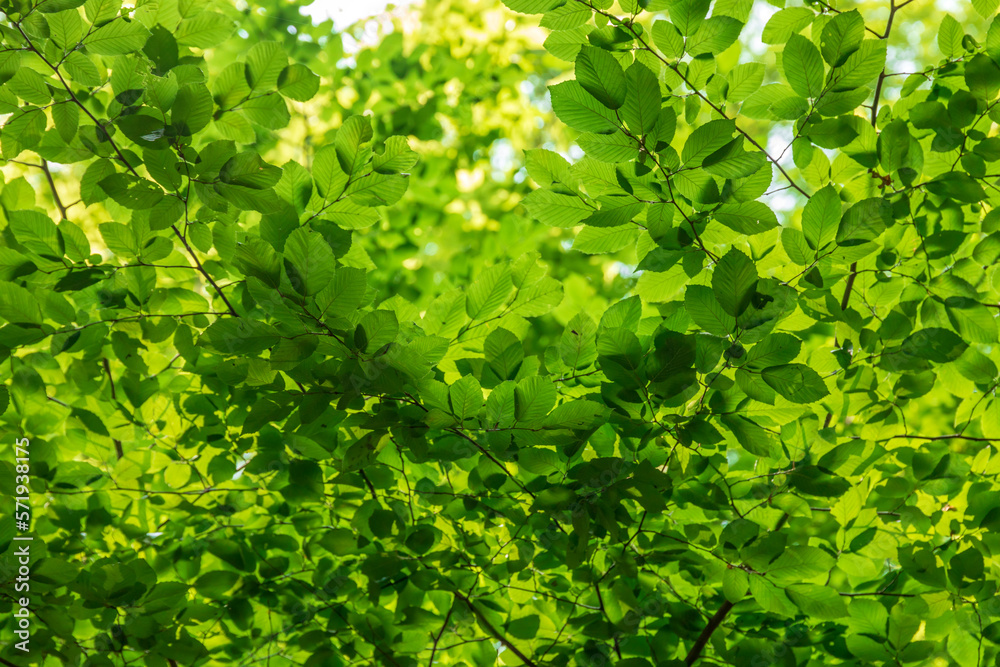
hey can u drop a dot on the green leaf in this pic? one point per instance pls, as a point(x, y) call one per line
point(537, 299)
point(239, 336)
point(248, 169)
point(566, 44)
point(613, 148)
point(773, 350)
point(377, 189)
point(816, 481)
point(305, 483)
point(578, 109)
point(309, 262)
point(548, 168)
point(530, 6)
point(731, 161)
point(752, 217)
point(841, 37)
point(534, 397)
point(982, 76)
point(821, 217)
point(668, 39)
point(376, 329)
point(949, 37)
point(705, 140)
point(861, 66)
point(688, 15)
point(734, 282)
point(786, 23)
point(557, 210)
point(744, 80)
point(576, 415)
point(832, 132)
point(216, 584)
point(894, 143)
point(751, 436)
point(119, 239)
point(101, 11)
point(972, 320)
point(488, 292)
point(204, 30)
point(500, 405)
point(466, 398)
point(192, 109)
point(504, 353)
point(603, 240)
point(51, 6)
point(578, 346)
point(65, 28)
point(799, 562)
point(117, 38)
point(958, 186)
point(265, 63)
point(396, 157)
point(986, 8)
point(796, 382)
point(706, 311)
point(538, 461)
point(803, 66)
point(615, 212)
point(599, 74)
point(715, 35)
point(343, 294)
point(36, 232)
point(328, 174)
point(18, 305)
point(298, 82)
point(565, 17)
point(865, 221)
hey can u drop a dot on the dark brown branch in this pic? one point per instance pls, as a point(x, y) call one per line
point(437, 639)
point(882, 75)
point(492, 458)
point(52, 186)
point(368, 482)
point(114, 397)
point(493, 631)
point(600, 601)
point(849, 286)
point(203, 272)
point(706, 634)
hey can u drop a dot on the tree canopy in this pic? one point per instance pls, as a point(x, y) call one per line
point(643, 333)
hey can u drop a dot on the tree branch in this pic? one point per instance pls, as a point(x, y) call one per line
point(437, 639)
point(52, 185)
point(203, 272)
point(114, 397)
point(715, 622)
point(493, 631)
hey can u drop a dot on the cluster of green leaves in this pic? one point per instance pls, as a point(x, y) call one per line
point(256, 441)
